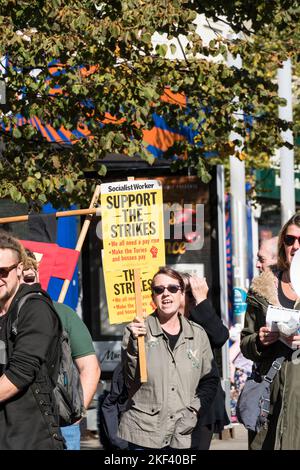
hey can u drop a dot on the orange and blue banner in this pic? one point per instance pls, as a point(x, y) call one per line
point(158, 140)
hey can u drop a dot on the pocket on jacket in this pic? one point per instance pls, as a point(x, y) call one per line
point(187, 423)
point(144, 417)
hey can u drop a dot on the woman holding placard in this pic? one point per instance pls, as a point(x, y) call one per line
point(182, 374)
point(263, 346)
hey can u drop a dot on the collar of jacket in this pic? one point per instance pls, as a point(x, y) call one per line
point(156, 329)
point(264, 289)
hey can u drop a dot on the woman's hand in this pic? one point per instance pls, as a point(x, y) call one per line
point(137, 327)
point(266, 336)
point(187, 423)
point(199, 288)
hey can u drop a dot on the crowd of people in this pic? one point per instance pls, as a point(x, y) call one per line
point(257, 349)
point(182, 403)
point(176, 408)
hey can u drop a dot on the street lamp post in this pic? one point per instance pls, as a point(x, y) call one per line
point(287, 192)
point(238, 223)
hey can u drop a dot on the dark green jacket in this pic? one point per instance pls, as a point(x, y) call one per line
point(283, 431)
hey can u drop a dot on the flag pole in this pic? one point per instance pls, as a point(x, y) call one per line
point(81, 238)
point(23, 218)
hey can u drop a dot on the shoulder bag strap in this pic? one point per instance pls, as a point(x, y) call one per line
point(275, 367)
point(269, 377)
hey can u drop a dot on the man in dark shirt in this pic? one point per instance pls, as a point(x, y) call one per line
point(83, 352)
point(28, 415)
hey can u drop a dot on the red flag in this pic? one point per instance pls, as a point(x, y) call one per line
point(54, 261)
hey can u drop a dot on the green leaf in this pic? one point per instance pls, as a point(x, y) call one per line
point(17, 134)
point(173, 48)
point(42, 198)
point(149, 93)
point(15, 194)
point(161, 50)
point(102, 170)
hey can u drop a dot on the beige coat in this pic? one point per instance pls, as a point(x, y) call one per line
point(160, 414)
point(283, 431)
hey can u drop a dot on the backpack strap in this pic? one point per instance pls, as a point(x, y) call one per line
point(14, 326)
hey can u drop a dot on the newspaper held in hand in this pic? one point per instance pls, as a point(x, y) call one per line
point(295, 271)
point(284, 320)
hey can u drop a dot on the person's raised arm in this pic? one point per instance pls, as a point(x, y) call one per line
point(204, 314)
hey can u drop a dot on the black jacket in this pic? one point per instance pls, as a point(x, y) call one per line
point(109, 409)
point(205, 316)
point(29, 419)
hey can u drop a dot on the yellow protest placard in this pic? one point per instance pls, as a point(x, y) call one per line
point(133, 238)
point(132, 224)
point(120, 294)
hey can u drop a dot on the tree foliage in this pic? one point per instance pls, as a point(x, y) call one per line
point(126, 77)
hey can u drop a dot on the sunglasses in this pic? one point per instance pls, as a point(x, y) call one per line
point(4, 272)
point(289, 240)
point(29, 278)
point(172, 288)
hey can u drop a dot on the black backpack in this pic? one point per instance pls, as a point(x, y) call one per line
point(67, 386)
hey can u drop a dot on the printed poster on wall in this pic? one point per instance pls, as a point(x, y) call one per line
point(133, 238)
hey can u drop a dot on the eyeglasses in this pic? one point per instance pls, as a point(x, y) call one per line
point(172, 288)
point(4, 272)
point(289, 240)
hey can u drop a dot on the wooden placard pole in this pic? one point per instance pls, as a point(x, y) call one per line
point(23, 218)
point(80, 241)
point(139, 313)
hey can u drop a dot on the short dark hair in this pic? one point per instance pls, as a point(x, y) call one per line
point(282, 262)
point(171, 273)
point(8, 242)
